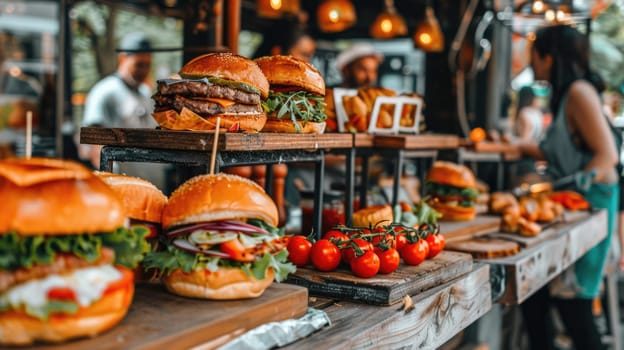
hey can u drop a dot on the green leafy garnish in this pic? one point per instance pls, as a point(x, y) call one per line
point(299, 106)
point(23, 252)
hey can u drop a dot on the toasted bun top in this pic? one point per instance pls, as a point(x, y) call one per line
point(55, 197)
point(291, 71)
point(227, 66)
point(140, 198)
point(451, 174)
point(218, 197)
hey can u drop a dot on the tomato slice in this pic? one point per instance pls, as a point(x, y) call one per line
point(127, 277)
point(62, 293)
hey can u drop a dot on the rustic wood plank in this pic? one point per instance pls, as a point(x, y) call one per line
point(524, 241)
point(202, 141)
point(159, 320)
point(509, 151)
point(439, 314)
point(363, 140)
point(460, 230)
point(533, 267)
point(485, 247)
point(384, 289)
point(424, 141)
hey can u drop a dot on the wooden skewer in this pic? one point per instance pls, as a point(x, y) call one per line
point(28, 134)
point(215, 142)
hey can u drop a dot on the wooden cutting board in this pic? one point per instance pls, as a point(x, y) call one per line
point(485, 247)
point(384, 289)
point(525, 241)
point(159, 320)
point(461, 230)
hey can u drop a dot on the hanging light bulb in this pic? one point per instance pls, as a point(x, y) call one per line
point(277, 8)
point(388, 24)
point(538, 6)
point(428, 35)
point(550, 15)
point(335, 15)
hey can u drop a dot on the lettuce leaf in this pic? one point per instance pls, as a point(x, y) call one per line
point(172, 258)
point(129, 245)
point(23, 252)
point(44, 312)
point(52, 307)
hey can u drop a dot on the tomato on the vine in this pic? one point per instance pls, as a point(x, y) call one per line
point(400, 237)
point(366, 265)
point(436, 243)
point(415, 253)
point(335, 236)
point(299, 250)
point(387, 239)
point(389, 260)
point(325, 255)
point(348, 252)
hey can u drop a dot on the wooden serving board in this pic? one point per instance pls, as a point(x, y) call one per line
point(202, 141)
point(159, 320)
point(485, 247)
point(461, 230)
point(384, 289)
point(526, 241)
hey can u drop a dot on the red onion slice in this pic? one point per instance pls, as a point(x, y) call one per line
point(188, 247)
point(228, 225)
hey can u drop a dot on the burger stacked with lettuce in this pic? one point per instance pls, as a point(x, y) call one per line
point(221, 240)
point(65, 255)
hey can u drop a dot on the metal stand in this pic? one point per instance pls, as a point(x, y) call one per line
point(110, 154)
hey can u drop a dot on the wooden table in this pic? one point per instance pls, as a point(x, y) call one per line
point(438, 315)
point(233, 149)
point(535, 266)
point(422, 146)
point(159, 320)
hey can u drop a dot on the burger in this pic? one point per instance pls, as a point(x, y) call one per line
point(221, 240)
point(211, 86)
point(142, 203)
point(296, 97)
point(451, 190)
point(65, 256)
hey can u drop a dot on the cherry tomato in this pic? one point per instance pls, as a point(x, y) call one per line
point(348, 253)
point(400, 238)
point(325, 255)
point(237, 251)
point(366, 265)
point(299, 250)
point(335, 236)
point(436, 243)
point(389, 260)
point(62, 293)
point(415, 253)
point(387, 239)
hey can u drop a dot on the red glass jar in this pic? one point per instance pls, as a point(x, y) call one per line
point(332, 212)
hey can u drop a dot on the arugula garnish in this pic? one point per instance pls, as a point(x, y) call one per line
point(298, 106)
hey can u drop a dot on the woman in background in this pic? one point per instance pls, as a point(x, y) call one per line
point(578, 142)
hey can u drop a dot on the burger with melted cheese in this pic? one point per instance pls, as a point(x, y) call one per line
point(296, 97)
point(221, 240)
point(451, 189)
point(65, 255)
point(210, 86)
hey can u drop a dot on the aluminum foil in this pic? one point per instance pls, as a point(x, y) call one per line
point(276, 334)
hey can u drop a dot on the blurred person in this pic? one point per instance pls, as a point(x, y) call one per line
point(123, 100)
point(359, 66)
point(528, 126)
point(578, 144)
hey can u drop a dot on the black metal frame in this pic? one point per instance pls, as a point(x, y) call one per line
point(110, 154)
